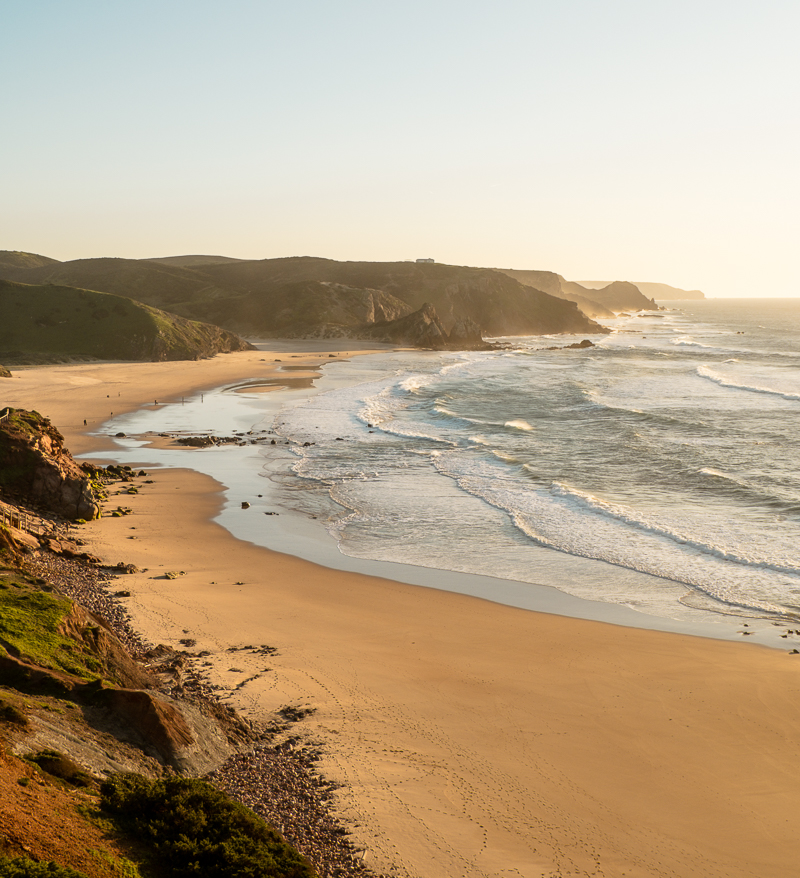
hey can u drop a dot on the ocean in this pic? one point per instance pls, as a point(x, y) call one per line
point(657, 471)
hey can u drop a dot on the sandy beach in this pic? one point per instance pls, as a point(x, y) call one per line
point(470, 739)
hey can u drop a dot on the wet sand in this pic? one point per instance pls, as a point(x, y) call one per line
point(470, 738)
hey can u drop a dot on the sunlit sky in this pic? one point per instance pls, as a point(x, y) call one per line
point(651, 141)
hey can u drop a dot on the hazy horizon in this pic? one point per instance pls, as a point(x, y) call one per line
point(594, 140)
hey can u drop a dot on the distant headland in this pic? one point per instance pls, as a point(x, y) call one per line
point(188, 307)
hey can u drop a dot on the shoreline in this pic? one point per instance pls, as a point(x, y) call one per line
point(471, 737)
point(300, 534)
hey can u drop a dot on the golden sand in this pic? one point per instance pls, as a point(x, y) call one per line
point(470, 738)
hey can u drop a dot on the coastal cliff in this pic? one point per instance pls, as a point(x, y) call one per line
point(424, 329)
point(91, 715)
point(310, 297)
point(599, 300)
point(36, 468)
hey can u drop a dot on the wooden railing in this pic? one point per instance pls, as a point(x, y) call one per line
point(13, 517)
point(4, 413)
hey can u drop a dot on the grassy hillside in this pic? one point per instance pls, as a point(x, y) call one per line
point(58, 322)
point(18, 259)
point(498, 304)
point(191, 261)
point(302, 295)
point(161, 286)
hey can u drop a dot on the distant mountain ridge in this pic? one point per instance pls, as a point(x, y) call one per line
point(603, 300)
point(664, 292)
point(309, 296)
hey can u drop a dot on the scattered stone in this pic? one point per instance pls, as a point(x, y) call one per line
point(295, 714)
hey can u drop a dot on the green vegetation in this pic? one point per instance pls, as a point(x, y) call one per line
point(30, 424)
point(58, 322)
point(293, 296)
point(11, 714)
point(62, 767)
point(22, 867)
point(195, 830)
point(21, 259)
point(29, 621)
point(19, 460)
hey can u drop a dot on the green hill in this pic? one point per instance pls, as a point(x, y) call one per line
point(152, 283)
point(191, 261)
point(307, 296)
point(57, 322)
point(15, 259)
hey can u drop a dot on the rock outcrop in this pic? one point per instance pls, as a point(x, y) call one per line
point(424, 329)
point(465, 334)
point(114, 660)
point(37, 471)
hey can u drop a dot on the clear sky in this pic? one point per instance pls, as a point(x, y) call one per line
point(646, 140)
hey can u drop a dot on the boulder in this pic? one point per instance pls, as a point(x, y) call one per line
point(466, 335)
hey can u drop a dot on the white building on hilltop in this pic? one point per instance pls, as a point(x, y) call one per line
point(426, 260)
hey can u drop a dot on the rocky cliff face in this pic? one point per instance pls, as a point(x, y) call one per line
point(424, 329)
point(623, 296)
point(36, 469)
point(555, 285)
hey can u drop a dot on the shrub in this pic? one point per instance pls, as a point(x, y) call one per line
point(11, 714)
point(58, 765)
point(196, 830)
point(22, 867)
